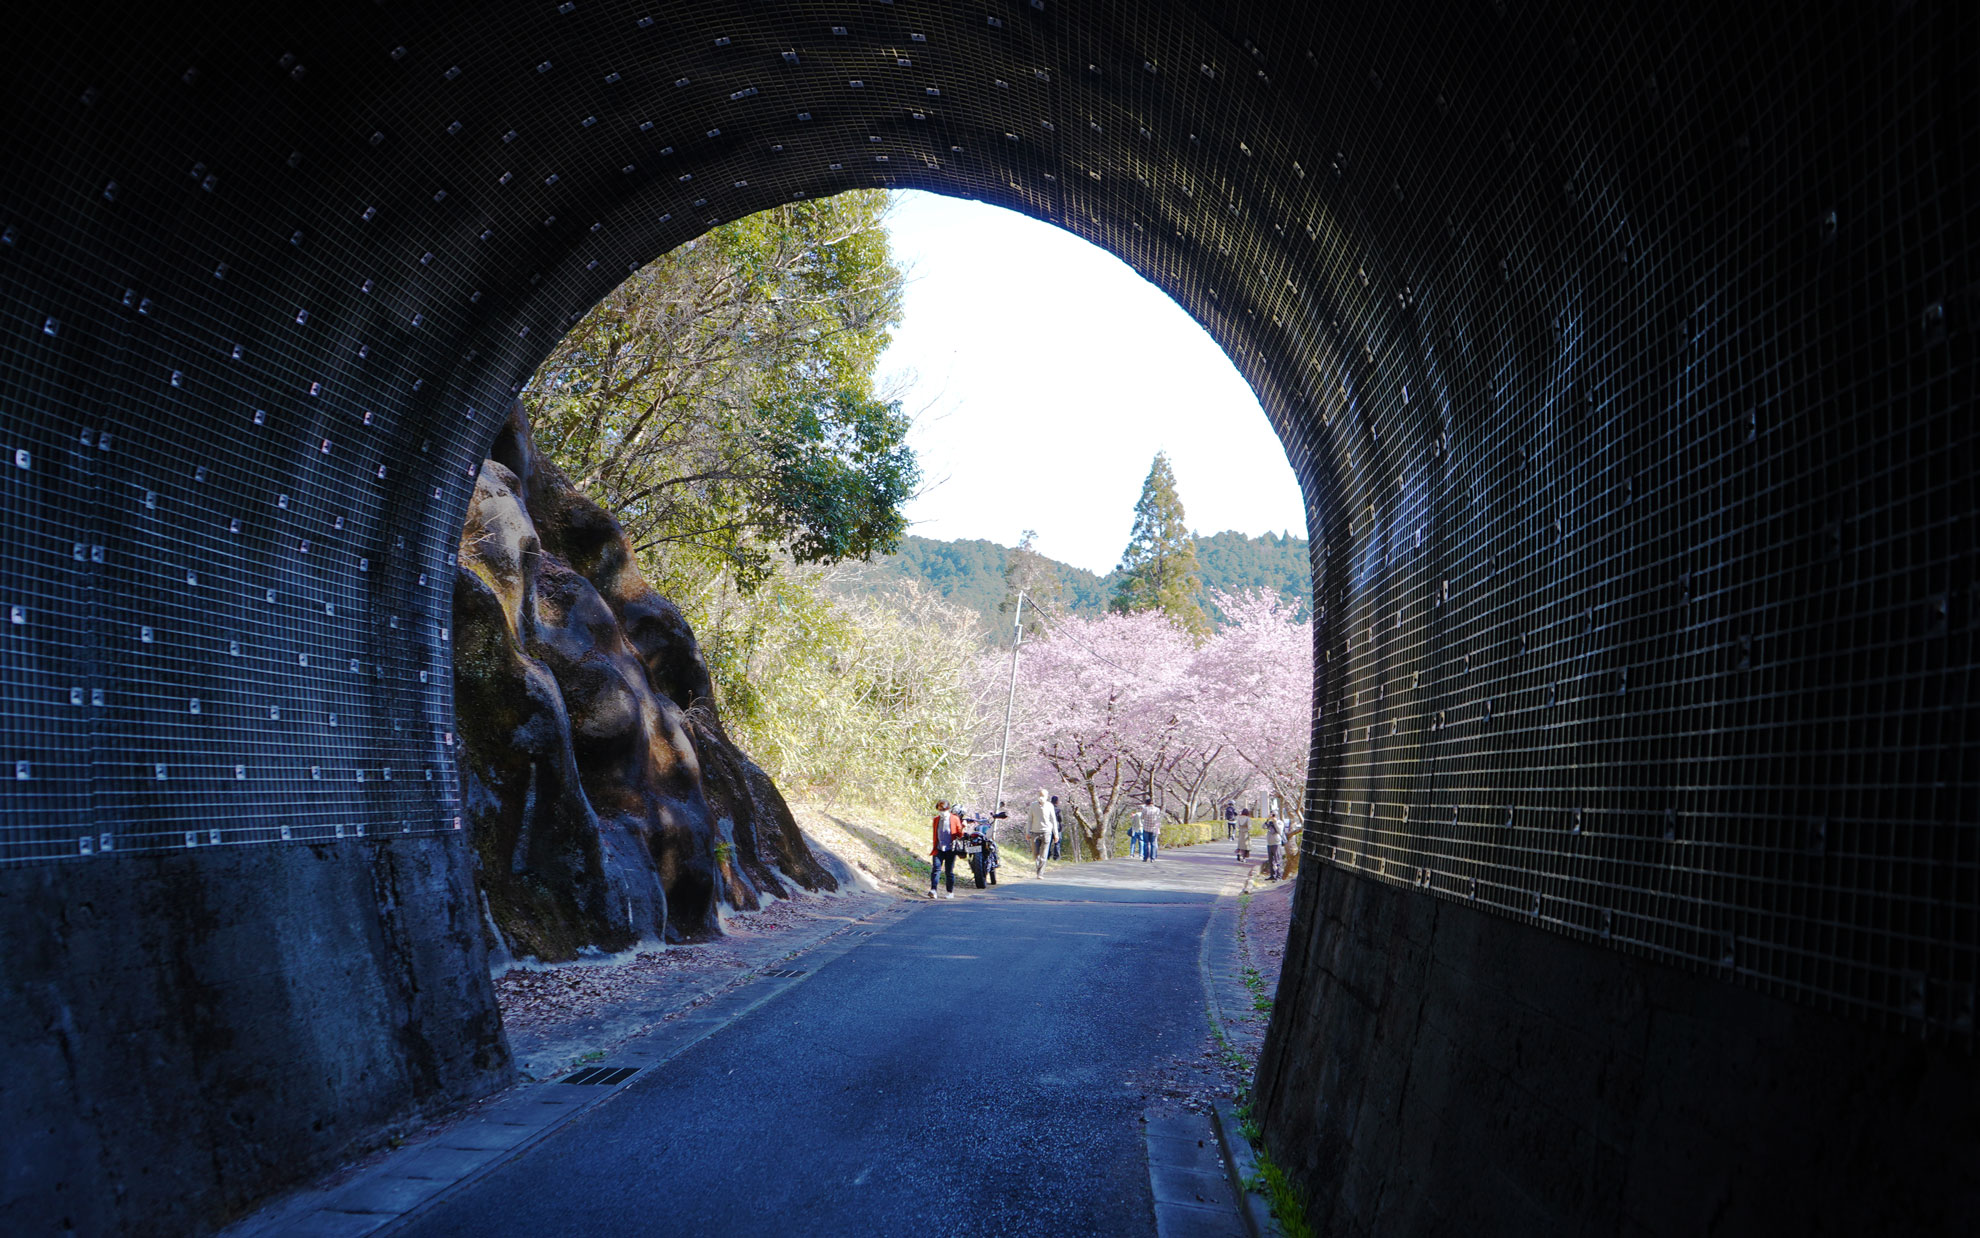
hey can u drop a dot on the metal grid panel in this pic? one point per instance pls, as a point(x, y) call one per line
point(1625, 356)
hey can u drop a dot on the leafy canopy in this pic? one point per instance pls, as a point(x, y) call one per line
point(720, 402)
point(1123, 706)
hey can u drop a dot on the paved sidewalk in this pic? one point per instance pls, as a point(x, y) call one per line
point(1194, 1194)
point(1233, 1014)
point(1231, 945)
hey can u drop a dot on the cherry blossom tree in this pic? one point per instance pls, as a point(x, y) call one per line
point(1179, 757)
point(1092, 694)
point(1198, 773)
point(1256, 677)
point(1125, 706)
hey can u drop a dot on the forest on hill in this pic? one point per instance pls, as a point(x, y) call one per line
point(970, 573)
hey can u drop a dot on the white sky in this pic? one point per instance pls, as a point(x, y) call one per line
point(1047, 374)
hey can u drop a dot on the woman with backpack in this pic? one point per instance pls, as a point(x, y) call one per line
point(945, 839)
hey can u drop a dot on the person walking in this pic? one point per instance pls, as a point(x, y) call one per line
point(1274, 843)
point(1149, 818)
point(1244, 837)
point(945, 835)
point(1044, 830)
point(1060, 832)
point(1230, 820)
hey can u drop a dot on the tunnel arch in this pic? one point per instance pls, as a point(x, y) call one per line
point(1624, 357)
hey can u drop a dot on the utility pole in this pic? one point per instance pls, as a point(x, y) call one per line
point(1010, 698)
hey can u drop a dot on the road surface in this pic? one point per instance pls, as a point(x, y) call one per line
point(970, 1068)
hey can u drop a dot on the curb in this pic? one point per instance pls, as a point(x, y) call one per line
point(1227, 999)
point(1254, 1208)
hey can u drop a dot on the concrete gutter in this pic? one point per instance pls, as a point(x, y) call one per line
point(1242, 1166)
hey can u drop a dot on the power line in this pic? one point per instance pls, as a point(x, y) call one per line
point(1040, 607)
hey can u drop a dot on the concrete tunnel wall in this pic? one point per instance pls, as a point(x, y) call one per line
point(1624, 353)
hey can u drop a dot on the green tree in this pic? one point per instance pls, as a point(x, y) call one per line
point(720, 402)
point(833, 469)
point(1158, 569)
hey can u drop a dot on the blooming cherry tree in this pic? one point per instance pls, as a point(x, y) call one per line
point(1255, 681)
point(1094, 696)
point(1122, 706)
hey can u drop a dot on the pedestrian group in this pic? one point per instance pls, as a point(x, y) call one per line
point(952, 834)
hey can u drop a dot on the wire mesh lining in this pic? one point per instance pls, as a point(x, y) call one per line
point(1624, 357)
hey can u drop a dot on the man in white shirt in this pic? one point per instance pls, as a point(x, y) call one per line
point(1044, 829)
point(1149, 819)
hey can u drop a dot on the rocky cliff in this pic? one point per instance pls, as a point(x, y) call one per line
point(607, 803)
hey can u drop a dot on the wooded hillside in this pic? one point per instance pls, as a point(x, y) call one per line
point(970, 573)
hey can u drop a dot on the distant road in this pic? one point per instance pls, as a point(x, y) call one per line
point(970, 1069)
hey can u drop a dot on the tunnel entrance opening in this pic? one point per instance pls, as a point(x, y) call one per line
point(732, 414)
point(1625, 358)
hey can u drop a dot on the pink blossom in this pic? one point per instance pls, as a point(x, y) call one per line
point(1113, 708)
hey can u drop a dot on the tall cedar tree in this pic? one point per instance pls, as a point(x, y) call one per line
point(1158, 569)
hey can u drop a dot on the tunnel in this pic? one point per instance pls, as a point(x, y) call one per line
point(1624, 353)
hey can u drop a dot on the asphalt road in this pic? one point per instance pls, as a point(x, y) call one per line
point(970, 1069)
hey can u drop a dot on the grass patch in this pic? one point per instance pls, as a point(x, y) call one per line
point(1248, 1119)
point(1288, 1204)
point(1255, 981)
point(907, 865)
point(1232, 1058)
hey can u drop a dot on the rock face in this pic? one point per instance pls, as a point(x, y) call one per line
point(607, 803)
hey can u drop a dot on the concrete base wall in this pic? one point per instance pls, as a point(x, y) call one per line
point(187, 1033)
point(1433, 1069)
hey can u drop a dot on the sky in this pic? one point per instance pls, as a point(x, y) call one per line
point(1044, 375)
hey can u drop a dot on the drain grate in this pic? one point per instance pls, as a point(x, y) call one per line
point(603, 1076)
point(784, 972)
